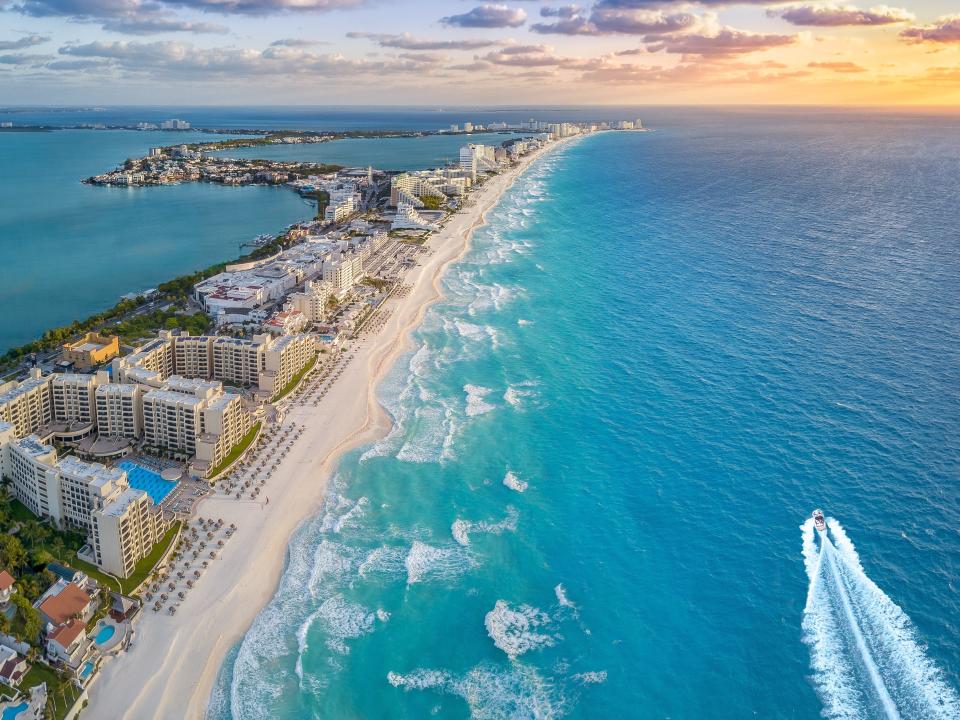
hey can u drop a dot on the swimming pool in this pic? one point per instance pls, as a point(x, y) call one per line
point(9, 713)
point(105, 631)
point(142, 478)
point(86, 670)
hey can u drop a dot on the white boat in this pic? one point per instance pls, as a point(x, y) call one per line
point(818, 522)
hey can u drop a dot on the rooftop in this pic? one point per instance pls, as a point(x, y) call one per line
point(93, 474)
point(68, 632)
point(123, 501)
point(69, 601)
point(32, 446)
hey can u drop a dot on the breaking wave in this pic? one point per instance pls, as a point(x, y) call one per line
point(491, 693)
point(518, 630)
point(462, 529)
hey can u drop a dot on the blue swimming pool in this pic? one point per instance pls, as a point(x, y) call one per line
point(11, 712)
point(142, 478)
point(86, 670)
point(104, 633)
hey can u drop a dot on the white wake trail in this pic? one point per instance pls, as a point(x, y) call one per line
point(864, 651)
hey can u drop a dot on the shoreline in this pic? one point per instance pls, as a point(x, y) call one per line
point(173, 665)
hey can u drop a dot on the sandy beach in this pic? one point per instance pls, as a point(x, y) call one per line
point(170, 670)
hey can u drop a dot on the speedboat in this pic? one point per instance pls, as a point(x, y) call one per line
point(818, 522)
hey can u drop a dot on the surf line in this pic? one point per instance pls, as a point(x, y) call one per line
point(889, 706)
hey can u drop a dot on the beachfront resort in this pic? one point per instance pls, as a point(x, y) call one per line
point(108, 448)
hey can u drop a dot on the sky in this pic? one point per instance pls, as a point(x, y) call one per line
point(531, 52)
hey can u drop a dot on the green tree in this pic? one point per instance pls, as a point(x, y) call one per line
point(12, 553)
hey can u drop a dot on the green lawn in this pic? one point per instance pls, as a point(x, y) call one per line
point(296, 380)
point(236, 452)
point(140, 572)
point(40, 673)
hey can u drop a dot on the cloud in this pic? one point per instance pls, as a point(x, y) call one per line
point(839, 15)
point(141, 9)
point(265, 7)
point(840, 67)
point(641, 22)
point(24, 42)
point(157, 25)
point(170, 59)
point(564, 11)
point(129, 17)
point(652, 4)
point(945, 30)
point(726, 42)
point(408, 42)
point(608, 21)
point(23, 59)
point(568, 26)
point(488, 16)
point(73, 65)
point(297, 42)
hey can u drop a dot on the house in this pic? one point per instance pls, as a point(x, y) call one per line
point(63, 601)
point(68, 644)
point(13, 666)
point(6, 587)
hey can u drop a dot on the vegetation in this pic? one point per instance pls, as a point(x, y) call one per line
point(378, 283)
point(432, 202)
point(27, 545)
point(237, 451)
point(140, 573)
point(295, 381)
point(61, 692)
point(139, 326)
point(323, 200)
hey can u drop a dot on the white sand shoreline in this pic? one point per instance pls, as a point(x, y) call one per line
point(172, 667)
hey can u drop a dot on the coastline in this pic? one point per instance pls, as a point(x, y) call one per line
point(174, 662)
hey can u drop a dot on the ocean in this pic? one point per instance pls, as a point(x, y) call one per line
point(660, 354)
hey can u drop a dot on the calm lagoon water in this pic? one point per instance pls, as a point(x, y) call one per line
point(71, 250)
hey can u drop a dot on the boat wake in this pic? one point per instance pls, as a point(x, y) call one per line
point(866, 658)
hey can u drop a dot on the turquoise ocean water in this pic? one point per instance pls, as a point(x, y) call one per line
point(662, 352)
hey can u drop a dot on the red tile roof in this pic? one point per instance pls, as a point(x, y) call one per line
point(68, 632)
point(6, 580)
point(70, 601)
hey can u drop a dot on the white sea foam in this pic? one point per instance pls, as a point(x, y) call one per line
point(518, 630)
point(591, 677)
point(343, 620)
point(562, 599)
point(476, 400)
point(491, 693)
point(426, 562)
point(516, 395)
point(331, 561)
point(386, 560)
point(302, 644)
point(462, 529)
point(866, 657)
point(513, 482)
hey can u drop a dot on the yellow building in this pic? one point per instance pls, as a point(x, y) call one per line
point(91, 350)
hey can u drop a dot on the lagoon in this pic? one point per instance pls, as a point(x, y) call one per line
point(71, 250)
